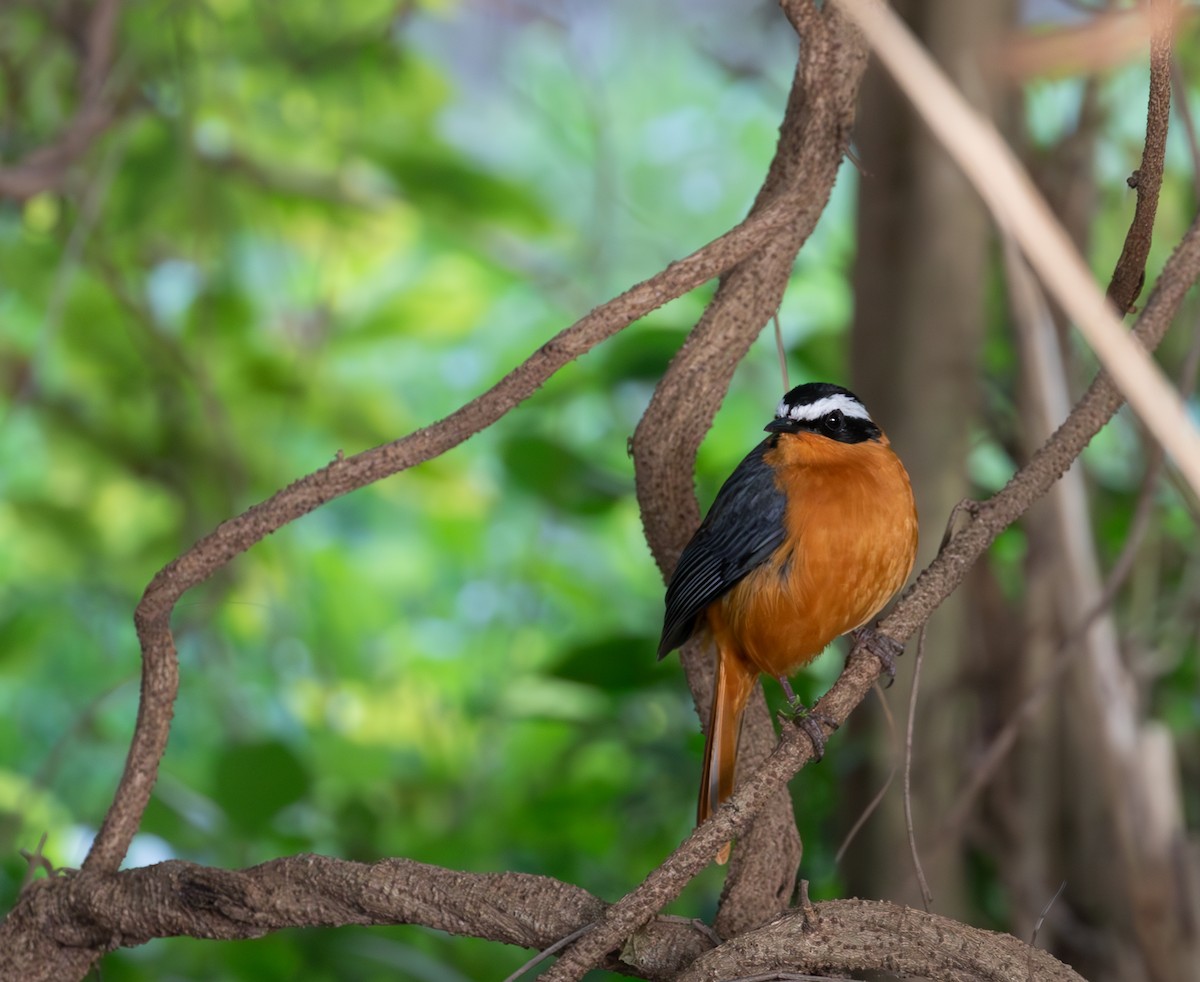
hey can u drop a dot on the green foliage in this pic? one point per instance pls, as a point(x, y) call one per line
point(293, 245)
point(318, 229)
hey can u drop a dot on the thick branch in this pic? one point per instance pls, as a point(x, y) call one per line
point(846, 937)
point(813, 136)
point(105, 911)
point(96, 912)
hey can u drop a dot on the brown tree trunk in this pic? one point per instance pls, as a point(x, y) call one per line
point(924, 241)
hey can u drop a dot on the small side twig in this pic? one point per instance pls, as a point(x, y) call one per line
point(34, 861)
point(1038, 926)
point(926, 896)
point(874, 803)
point(545, 953)
point(781, 352)
point(1130, 272)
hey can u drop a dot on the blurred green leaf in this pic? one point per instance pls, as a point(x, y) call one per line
point(253, 782)
point(559, 475)
point(616, 664)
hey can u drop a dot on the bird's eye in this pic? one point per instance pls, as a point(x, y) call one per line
point(834, 421)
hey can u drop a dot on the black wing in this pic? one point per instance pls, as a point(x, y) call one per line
point(743, 527)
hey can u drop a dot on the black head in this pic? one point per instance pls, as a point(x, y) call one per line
point(828, 410)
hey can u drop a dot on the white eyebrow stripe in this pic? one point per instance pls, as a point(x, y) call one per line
point(812, 411)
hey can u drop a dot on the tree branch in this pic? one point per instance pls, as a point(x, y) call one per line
point(1018, 208)
point(186, 898)
point(97, 912)
point(842, 937)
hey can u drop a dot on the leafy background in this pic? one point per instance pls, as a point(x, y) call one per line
point(316, 228)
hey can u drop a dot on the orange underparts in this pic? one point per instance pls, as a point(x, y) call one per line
point(850, 544)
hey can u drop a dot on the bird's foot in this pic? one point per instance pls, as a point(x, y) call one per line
point(809, 720)
point(886, 649)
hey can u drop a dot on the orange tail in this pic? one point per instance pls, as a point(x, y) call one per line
point(734, 683)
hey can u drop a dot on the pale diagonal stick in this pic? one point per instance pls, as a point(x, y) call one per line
point(1017, 207)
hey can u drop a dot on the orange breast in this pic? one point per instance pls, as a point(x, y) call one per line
point(852, 538)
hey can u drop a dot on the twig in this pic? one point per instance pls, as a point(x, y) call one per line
point(34, 861)
point(545, 953)
point(874, 803)
point(1037, 927)
point(926, 896)
point(1130, 272)
point(779, 350)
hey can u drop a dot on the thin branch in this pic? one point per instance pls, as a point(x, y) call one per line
point(1037, 927)
point(931, 588)
point(1130, 272)
point(781, 352)
point(875, 802)
point(548, 952)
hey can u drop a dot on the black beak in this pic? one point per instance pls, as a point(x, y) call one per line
point(782, 424)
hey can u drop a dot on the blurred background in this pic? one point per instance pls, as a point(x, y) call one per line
point(308, 228)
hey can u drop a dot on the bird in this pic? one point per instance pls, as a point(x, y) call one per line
point(808, 539)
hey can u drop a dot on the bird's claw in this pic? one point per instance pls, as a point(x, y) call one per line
point(812, 723)
point(886, 649)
